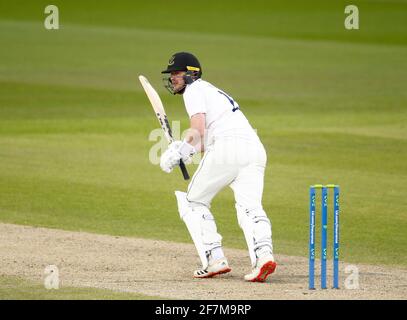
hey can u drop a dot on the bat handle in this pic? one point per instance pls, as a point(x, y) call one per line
point(184, 170)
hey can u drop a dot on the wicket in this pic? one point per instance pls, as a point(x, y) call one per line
point(324, 229)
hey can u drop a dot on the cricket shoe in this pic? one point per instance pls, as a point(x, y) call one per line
point(214, 268)
point(264, 267)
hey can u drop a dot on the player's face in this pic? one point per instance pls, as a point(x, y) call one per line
point(177, 80)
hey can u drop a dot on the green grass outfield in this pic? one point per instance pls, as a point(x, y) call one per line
point(329, 104)
point(14, 288)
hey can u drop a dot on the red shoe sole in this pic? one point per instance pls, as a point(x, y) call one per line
point(265, 271)
point(212, 274)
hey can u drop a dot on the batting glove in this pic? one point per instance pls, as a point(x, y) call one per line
point(177, 150)
point(185, 150)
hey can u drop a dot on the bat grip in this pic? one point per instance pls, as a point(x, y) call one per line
point(184, 170)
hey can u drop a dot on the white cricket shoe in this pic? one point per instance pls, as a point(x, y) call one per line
point(214, 268)
point(264, 267)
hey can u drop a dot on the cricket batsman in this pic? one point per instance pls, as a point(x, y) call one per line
point(233, 155)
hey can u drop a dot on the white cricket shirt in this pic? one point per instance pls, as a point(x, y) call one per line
point(223, 116)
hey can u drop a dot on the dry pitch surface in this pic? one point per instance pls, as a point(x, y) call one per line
point(160, 268)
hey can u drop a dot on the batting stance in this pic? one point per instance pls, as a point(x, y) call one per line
point(233, 156)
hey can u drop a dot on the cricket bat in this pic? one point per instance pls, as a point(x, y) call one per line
point(158, 107)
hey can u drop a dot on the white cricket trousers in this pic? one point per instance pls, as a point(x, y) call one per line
point(239, 163)
point(233, 161)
